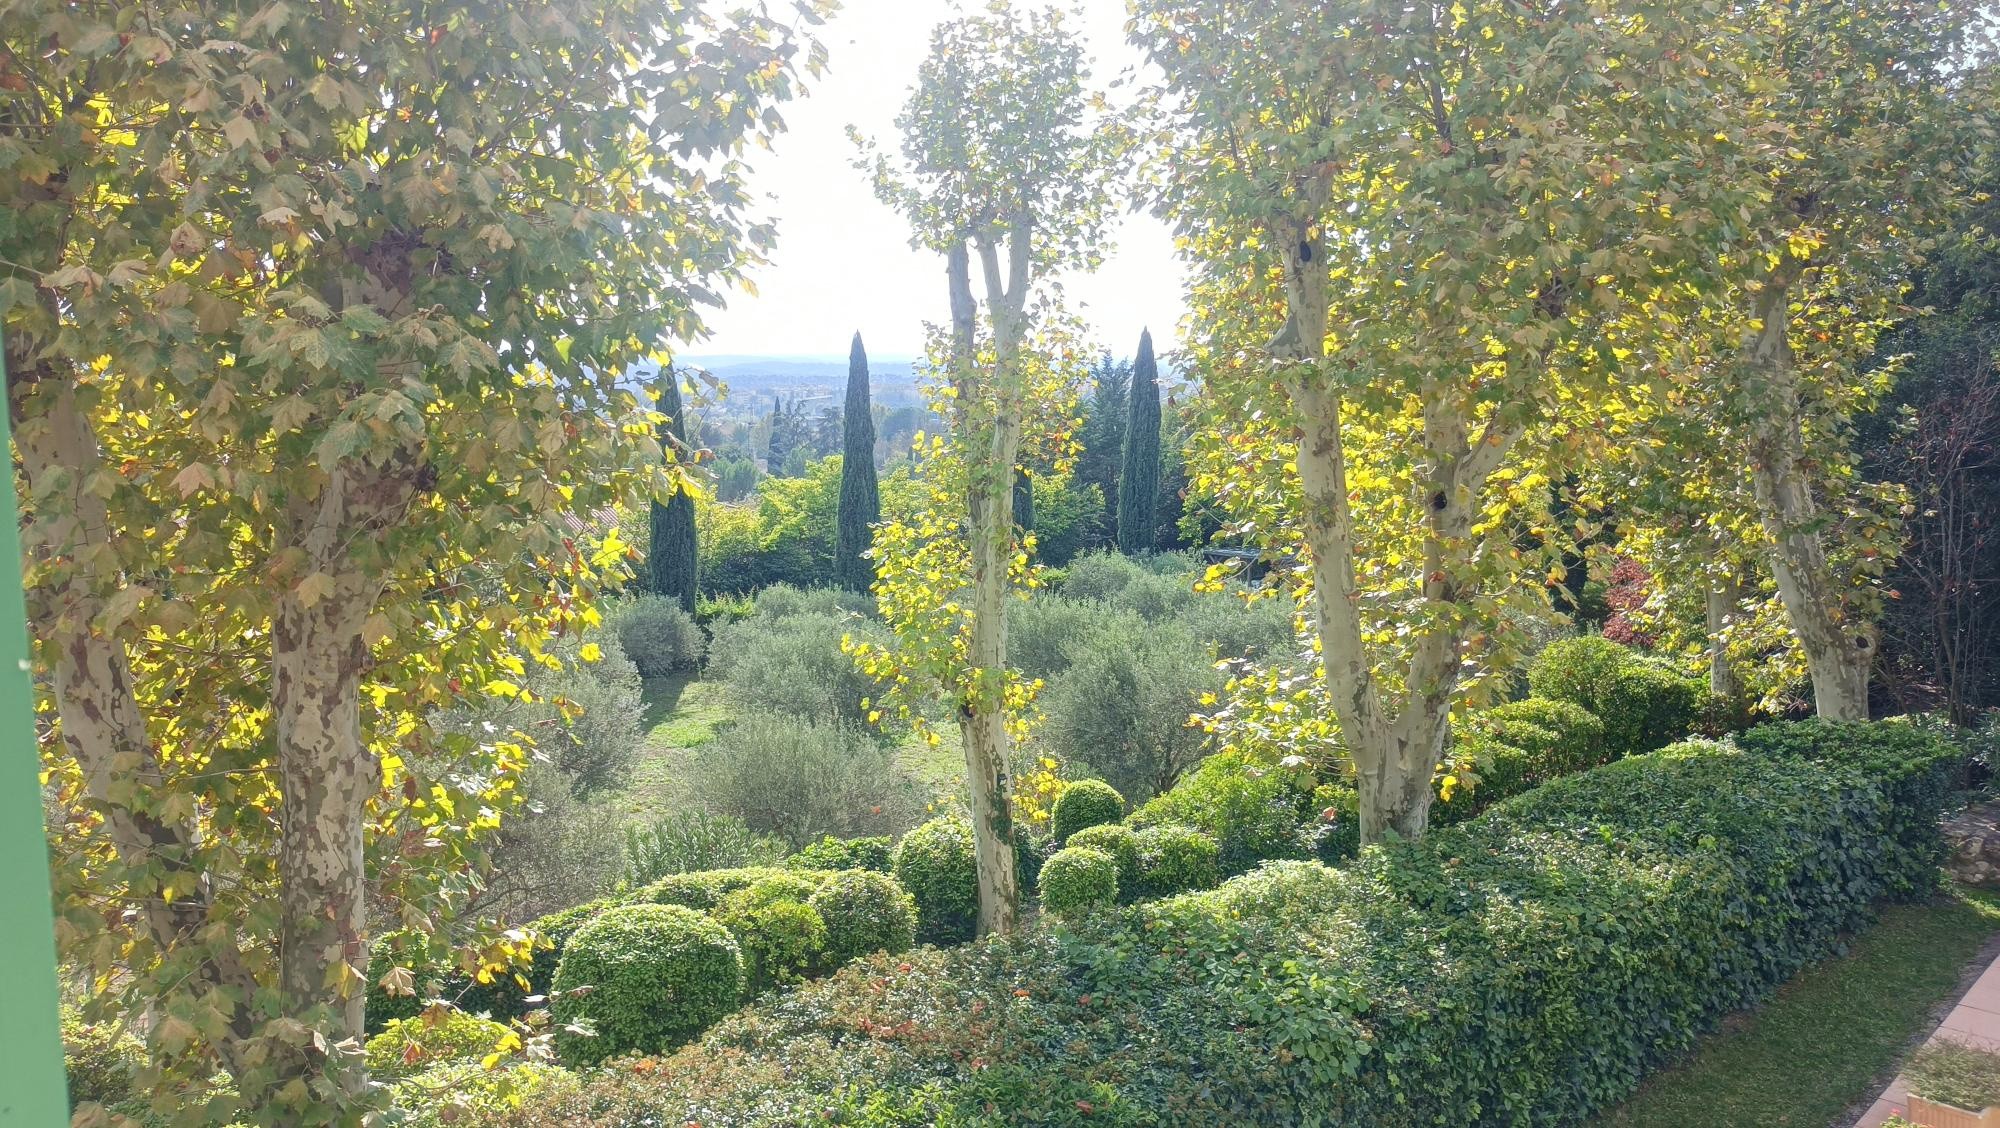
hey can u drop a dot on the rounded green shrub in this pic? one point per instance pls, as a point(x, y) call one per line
point(1643, 703)
point(935, 863)
point(1256, 812)
point(1077, 879)
point(411, 1045)
point(705, 889)
point(782, 938)
point(1122, 843)
point(831, 853)
point(1174, 859)
point(864, 911)
point(1087, 802)
point(658, 976)
point(465, 1092)
point(1577, 735)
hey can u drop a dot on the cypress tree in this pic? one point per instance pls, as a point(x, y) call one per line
point(1104, 444)
point(860, 497)
point(1139, 481)
point(1024, 500)
point(672, 557)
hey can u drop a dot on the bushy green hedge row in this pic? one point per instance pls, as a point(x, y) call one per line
point(1529, 966)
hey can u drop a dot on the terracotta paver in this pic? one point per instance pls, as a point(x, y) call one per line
point(1975, 1020)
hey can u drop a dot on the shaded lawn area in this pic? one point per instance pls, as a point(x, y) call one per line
point(1831, 1037)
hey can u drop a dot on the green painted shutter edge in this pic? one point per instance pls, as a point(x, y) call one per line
point(33, 1092)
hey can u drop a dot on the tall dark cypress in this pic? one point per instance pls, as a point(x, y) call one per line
point(860, 497)
point(1024, 500)
point(1139, 481)
point(672, 557)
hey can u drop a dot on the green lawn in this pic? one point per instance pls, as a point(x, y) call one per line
point(1832, 1036)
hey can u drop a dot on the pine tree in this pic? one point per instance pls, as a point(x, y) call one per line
point(672, 557)
point(1138, 483)
point(860, 497)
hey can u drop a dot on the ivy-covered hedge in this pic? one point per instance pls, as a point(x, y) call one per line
point(1527, 967)
point(1918, 767)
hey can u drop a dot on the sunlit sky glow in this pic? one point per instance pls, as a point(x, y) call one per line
point(843, 261)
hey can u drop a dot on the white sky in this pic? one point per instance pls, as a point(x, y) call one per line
point(843, 261)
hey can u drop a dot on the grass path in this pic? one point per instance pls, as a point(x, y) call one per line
point(1832, 1036)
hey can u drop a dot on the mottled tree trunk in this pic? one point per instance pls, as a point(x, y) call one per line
point(1724, 595)
point(325, 768)
point(983, 721)
point(92, 684)
point(1839, 646)
point(990, 529)
point(1395, 756)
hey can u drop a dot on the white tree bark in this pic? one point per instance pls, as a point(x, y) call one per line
point(1839, 647)
point(990, 529)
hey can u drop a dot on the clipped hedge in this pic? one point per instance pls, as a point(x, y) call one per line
point(935, 863)
point(1078, 879)
point(1918, 767)
point(411, 1045)
point(656, 975)
point(865, 912)
point(1085, 803)
point(831, 853)
point(1527, 967)
point(1643, 702)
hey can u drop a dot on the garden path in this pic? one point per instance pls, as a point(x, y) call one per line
point(1975, 1021)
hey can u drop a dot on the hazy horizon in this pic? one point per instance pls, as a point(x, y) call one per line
point(843, 261)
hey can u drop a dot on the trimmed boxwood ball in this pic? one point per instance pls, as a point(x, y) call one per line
point(935, 863)
point(1122, 843)
point(831, 853)
point(1077, 879)
point(659, 975)
point(411, 1045)
point(1174, 859)
point(1643, 702)
point(864, 912)
point(1566, 736)
point(705, 889)
point(1087, 802)
point(782, 938)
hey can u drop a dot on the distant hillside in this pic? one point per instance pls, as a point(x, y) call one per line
point(758, 380)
